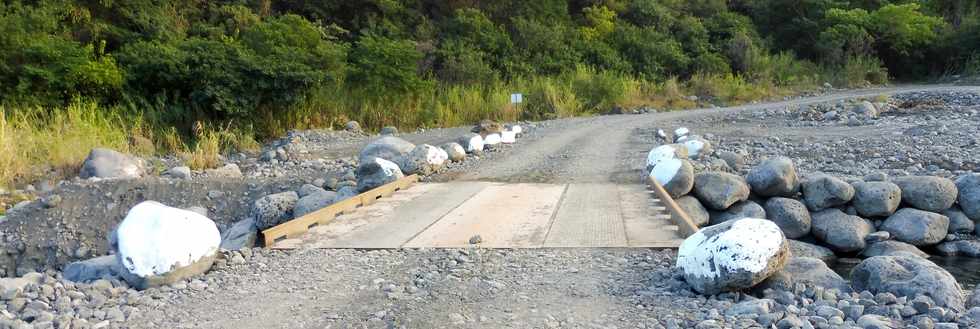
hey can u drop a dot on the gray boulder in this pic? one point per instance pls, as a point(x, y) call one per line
point(917, 227)
point(744, 209)
point(734, 160)
point(974, 300)
point(308, 189)
point(718, 190)
point(390, 148)
point(675, 175)
point(230, 170)
point(906, 276)
point(958, 221)
point(455, 151)
point(969, 248)
point(181, 172)
point(274, 209)
point(824, 191)
point(109, 164)
point(694, 210)
point(313, 202)
point(104, 267)
point(876, 199)
point(969, 195)
point(486, 127)
point(866, 110)
point(811, 272)
point(929, 193)
point(240, 235)
point(891, 248)
point(424, 160)
point(791, 216)
point(774, 177)
point(345, 193)
point(377, 172)
point(352, 126)
point(840, 231)
point(802, 249)
point(732, 256)
point(389, 131)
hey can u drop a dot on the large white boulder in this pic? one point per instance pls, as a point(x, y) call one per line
point(732, 256)
point(159, 245)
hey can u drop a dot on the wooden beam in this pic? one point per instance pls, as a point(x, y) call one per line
point(677, 215)
point(299, 226)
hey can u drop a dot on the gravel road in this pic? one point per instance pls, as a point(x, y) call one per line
point(544, 288)
point(580, 288)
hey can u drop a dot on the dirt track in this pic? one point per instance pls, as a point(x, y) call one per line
point(582, 288)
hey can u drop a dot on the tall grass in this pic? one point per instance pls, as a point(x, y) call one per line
point(36, 141)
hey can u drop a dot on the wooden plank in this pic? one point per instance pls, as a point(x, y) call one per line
point(298, 226)
point(680, 218)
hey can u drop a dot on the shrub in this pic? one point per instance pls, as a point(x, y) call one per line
point(385, 66)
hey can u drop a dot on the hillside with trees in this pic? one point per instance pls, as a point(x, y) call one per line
point(143, 75)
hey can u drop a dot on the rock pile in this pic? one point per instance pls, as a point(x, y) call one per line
point(884, 219)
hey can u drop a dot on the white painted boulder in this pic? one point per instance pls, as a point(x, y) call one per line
point(697, 147)
point(492, 139)
point(472, 143)
point(508, 137)
point(425, 159)
point(159, 245)
point(665, 152)
point(732, 256)
point(675, 175)
point(680, 134)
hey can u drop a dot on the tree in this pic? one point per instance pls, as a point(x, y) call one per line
point(384, 65)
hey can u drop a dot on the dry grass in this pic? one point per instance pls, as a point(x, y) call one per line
point(34, 141)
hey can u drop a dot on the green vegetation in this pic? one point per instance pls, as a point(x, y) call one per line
point(143, 76)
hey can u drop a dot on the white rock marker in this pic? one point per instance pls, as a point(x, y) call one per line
point(155, 239)
point(694, 147)
point(659, 154)
point(665, 170)
point(734, 255)
point(508, 137)
point(681, 132)
point(492, 139)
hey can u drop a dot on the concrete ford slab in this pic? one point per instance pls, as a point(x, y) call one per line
point(447, 215)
